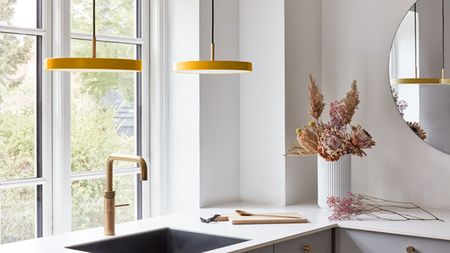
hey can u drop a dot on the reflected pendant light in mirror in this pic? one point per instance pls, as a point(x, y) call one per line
point(417, 79)
point(93, 64)
point(213, 66)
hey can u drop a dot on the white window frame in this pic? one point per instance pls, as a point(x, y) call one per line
point(55, 120)
point(159, 98)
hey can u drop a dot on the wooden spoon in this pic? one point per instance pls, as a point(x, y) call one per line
point(244, 213)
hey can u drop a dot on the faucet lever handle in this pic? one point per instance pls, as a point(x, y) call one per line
point(123, 205)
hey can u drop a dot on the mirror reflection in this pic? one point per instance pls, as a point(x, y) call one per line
point(420, 71)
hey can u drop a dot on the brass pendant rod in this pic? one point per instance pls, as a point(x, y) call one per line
point(213, 46)
point(443, 40)
point(415, 41)
point(213, 51)
point(94, 38)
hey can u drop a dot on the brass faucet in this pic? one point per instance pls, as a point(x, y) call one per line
point(110, 205)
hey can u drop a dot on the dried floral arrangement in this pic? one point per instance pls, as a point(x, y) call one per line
point(357, 206)
point(335, 138)
point(401, 106)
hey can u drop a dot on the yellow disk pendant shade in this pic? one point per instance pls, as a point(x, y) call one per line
point(416, 81)
point(212, 66)
point(93, 64)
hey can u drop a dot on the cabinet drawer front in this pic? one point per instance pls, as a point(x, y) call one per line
point(314, 243)
point(354, 241)
point(267, 249)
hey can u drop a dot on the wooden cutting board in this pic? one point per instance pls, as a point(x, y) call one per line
point(237, 219)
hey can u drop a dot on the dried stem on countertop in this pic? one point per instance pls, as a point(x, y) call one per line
point(358, 205)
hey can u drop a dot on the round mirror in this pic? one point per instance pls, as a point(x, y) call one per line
point(419, 70)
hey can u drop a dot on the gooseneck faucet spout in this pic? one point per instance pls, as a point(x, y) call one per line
point(109, 194)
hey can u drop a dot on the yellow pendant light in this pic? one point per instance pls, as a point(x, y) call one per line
point(432, 81)
point(93, 64)
point(212, 66)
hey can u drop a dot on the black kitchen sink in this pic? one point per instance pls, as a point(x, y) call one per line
point(159, 241)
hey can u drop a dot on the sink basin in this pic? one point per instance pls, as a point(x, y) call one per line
point(162, 241)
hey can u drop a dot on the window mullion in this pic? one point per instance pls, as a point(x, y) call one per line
point(103, 38)
point(145, 101)
point(61, 121)
point(138, 124)
point(22, 182)
point(46, 108)
point(39, 141)
point(22, 30)
point(154, 52)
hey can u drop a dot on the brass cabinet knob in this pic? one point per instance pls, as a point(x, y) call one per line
point(307, 248)
point(410, 249)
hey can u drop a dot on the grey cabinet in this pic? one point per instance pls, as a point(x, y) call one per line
point(356, 241)
point(320, 242)
point(267, 249)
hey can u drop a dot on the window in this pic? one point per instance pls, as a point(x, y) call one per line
point(22, 177)
point(105, 113)
point(106, 116)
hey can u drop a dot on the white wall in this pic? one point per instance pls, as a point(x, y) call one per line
point(262, 100)
point(246, 121)
point(219, 107)
point(356, 41)
point(203, 111)
point(184, 108)
point(303, 57)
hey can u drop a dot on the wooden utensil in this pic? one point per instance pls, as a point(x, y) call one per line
point(269, 218)
point(244, 213)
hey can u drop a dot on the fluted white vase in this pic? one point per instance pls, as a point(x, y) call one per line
point(333, 179)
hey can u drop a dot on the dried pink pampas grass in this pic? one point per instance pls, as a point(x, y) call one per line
point(335, 138)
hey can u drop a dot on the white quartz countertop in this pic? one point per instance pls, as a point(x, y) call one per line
point(258, 235)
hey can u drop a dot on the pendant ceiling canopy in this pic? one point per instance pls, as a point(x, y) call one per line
point(93, 64)
point(212, 66)
point(416, 79)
